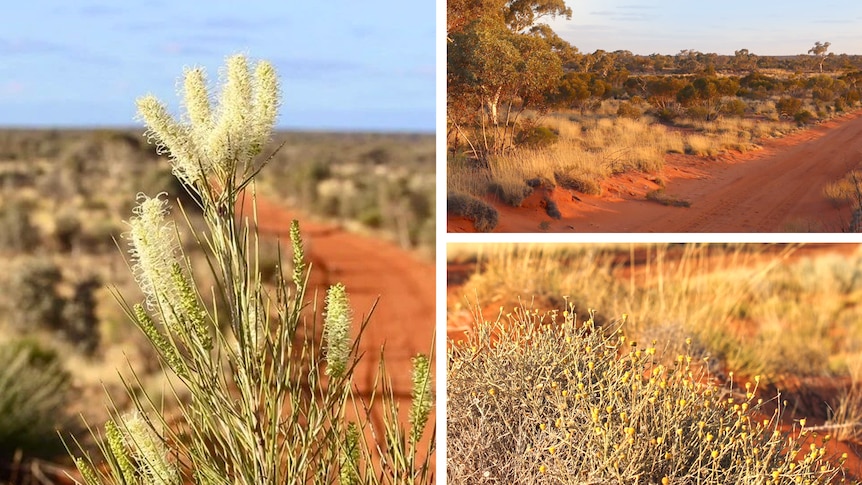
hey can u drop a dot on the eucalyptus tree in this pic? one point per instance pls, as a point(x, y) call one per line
point(500, 61)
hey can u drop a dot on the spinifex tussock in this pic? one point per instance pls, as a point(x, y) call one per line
point(267, 403)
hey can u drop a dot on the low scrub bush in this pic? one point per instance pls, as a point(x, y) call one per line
point(629, 110)
point(483, 215)
point(803, 117)
point(735, 107)
point(536, 137)
point(788, 107)
point(18, 234)
point(33, 295)
point(552, 209)
point(542, 398)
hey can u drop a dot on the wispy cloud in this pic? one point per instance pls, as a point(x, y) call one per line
point(318, 69)
point(237, 23)
point(630, 14)
point(99, 10)
point(22, 46)
point(174, 48)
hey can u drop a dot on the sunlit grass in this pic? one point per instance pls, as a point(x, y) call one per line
point(756, 308)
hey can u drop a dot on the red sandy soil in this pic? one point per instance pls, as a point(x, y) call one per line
point(372, 271)
point(807, 395)
point(778, 188)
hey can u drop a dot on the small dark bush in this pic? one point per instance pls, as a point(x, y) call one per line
point(18, 233)
point(512, 196)
point(666, 114)
point(629, 110)
point(735, 107)
point(803, 117)
point(67, 231)
point(788, 107)
point(34, 300)
point(552, 209)
point(79, 316)
point(540, 182)
point(483, 215)
point(698, 113)
point(536, 137)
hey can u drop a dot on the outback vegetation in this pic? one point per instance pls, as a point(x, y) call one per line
point(527, 110)
point(653, 364)
point(239, 373)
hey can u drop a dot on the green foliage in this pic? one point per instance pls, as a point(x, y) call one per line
point(483, 215)
point(270, 400)
point(543, 398)
point(493, 64)
point(33, 397)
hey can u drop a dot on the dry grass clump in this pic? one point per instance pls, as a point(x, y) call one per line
point(846, 419)
point(701, 145)
point(847, 189)
point(749, 306)
point(541, 398)
point(584, 154)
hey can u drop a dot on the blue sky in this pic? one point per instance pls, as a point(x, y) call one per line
point(345, 65)
point(668, 26)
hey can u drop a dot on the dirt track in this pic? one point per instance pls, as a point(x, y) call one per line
point(370, 269)
point(776, 189)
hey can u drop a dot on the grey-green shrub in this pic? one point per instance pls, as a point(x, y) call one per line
point(483, 215)
point(546, 399)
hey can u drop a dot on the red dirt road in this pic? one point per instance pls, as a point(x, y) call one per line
point(370, 269)
point(776, 189)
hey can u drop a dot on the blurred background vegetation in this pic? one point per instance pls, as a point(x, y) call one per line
point(63, 197)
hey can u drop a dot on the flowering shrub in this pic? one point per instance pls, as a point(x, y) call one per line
point(267, 403)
